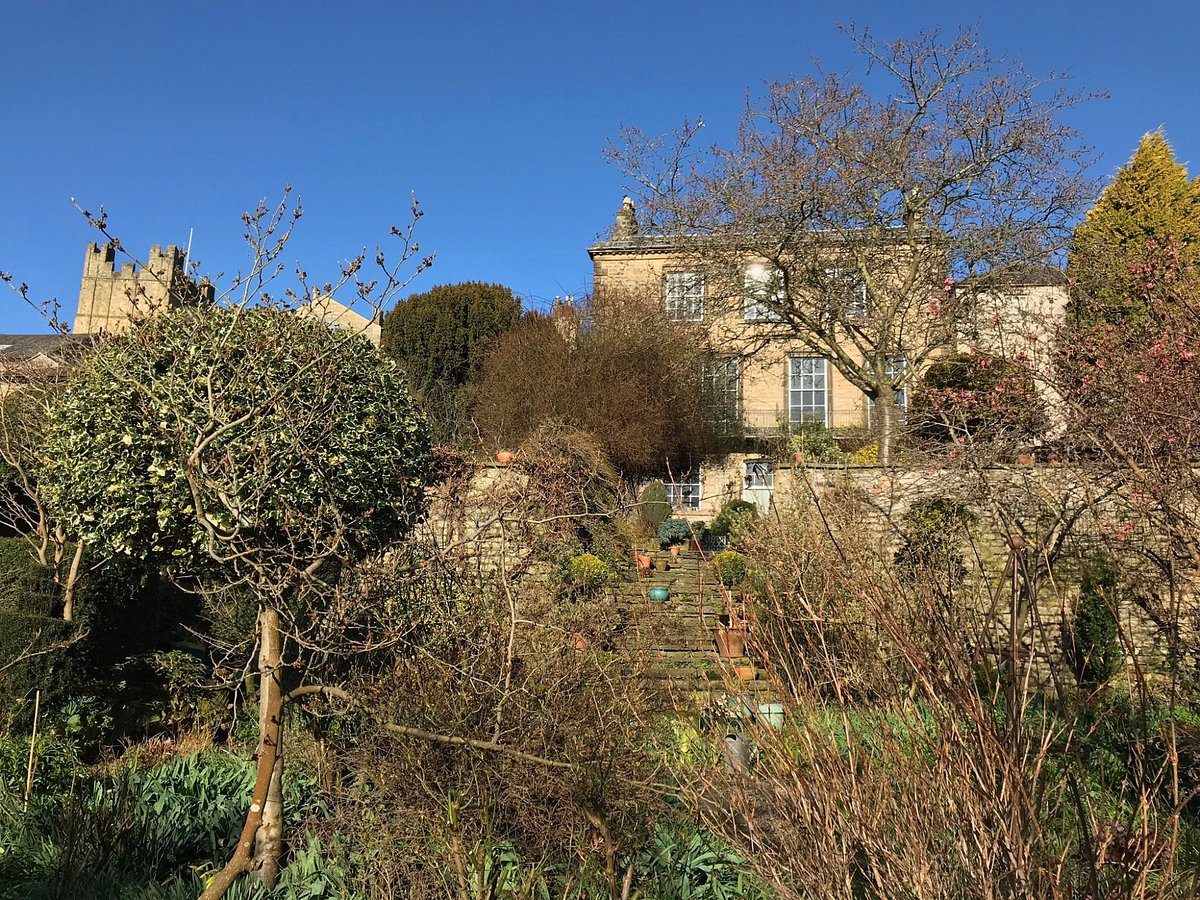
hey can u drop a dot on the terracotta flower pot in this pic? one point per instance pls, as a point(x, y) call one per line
point(731, 642)
point(674, 551)
point(744, 671)
point(504, 457)
point(643, 561)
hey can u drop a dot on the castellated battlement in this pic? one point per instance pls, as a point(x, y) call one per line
point(110, 300)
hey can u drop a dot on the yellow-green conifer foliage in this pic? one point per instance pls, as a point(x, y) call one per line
point(1151, 201)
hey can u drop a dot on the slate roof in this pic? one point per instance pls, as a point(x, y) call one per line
point(15, 347)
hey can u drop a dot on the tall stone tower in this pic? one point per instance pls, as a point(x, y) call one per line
point(110, 300)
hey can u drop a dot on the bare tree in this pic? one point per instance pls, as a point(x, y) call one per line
point(846, 210)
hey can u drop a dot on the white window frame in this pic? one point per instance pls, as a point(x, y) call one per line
point(684, 296)
point(758, 474)
point(723, 380)
point(800, 413)
point(757, 304)
point(686, 492)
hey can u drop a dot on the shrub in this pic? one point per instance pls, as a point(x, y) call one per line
point(817, 444)
point(36, 653)
point(733, 520)
point(985, 398)
point(440, 338)
point(653, 504)
point(1092, 641)
point(572, 484)
point(674, 531)
point(934, 526)
point(612, 365)
point(730, 567)
point(25, 585)
point(866, 455)
point(589, 573)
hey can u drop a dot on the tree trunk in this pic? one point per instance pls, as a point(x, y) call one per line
point(269, 776)
point(72, 577)
point(887, 424)
point(268, 842)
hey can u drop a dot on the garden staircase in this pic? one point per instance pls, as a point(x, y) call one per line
point(676, 638)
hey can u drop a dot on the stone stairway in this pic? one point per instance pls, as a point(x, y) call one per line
point(675, 637)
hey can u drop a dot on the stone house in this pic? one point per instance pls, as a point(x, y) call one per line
point(773, 381)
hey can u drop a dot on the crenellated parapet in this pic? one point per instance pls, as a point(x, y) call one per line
point(111, 298)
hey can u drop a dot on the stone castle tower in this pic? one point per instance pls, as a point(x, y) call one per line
point(110, 300)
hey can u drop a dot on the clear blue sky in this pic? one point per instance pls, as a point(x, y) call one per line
point(177, 116)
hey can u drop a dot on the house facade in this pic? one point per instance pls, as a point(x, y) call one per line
point(773, 383)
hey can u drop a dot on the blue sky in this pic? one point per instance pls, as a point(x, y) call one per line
point(177, 116)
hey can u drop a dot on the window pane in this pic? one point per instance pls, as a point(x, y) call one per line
point(684, 296)
point(764, 294)
point(684, 493)
point(808, 390)
point(846, 293)
point(760, 473)
point(722, 389)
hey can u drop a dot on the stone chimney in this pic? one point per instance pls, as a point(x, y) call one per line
point(627, 226)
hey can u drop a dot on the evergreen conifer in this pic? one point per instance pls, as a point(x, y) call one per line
point(1150, 201)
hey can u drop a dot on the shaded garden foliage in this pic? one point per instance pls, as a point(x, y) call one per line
point(440, 338)
point(977, 396)
point(612, 365)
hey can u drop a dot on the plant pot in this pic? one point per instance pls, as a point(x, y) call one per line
point(661, 565)
point(659, 594)
point(744, 671)
point(643, 561)
point(504, 457)
point(731, 642)
point(675, 551)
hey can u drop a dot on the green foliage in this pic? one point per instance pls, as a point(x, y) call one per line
point(685, 863)
point(56, 765)
point(965, 394)
point(733, 520)
point(1093, 641)
point(674, 531)
point(1151, 201)
point(152, 833)
point(938, 521)
point(816, 443)
point(25, 585)
point(934, 526)
point(589, 573)
point(653, 505)
point(730, 567)
point(259, 437)
point(36, 653)
point(440, 339)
